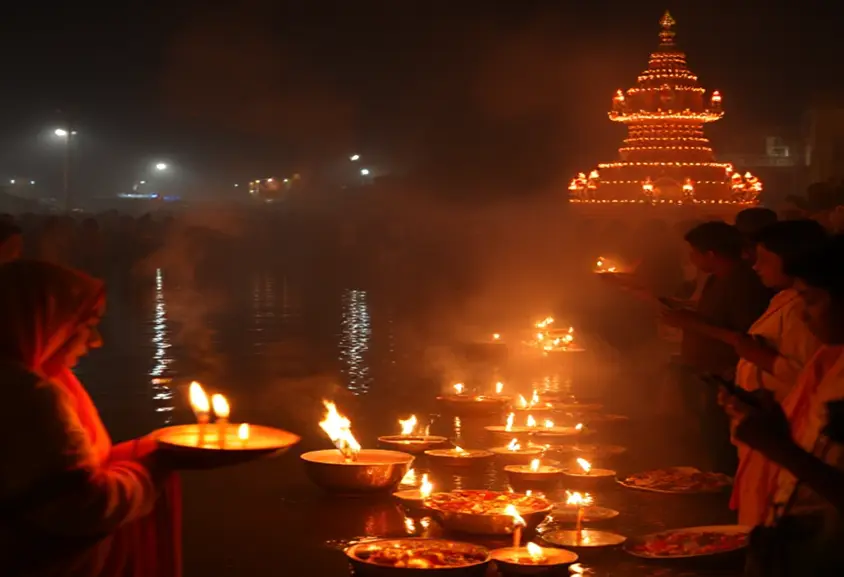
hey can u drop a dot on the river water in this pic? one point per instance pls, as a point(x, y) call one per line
point(277, 342)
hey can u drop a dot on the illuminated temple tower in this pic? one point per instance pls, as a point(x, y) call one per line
point(666, 157)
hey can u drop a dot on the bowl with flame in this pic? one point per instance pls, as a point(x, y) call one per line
point(531, 559)
point(415, 556)
point(412, 439)
point(543, 428)
point(487, 512)
point(461, 402)
point(349, 469)
point(517, 454)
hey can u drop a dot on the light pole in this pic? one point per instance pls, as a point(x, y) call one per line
point(67, 135)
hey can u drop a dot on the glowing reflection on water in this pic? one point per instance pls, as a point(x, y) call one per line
point(263, 305)
point(160, 378)
point(355, 334)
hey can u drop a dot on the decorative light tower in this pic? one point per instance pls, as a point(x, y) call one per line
point(666, 155)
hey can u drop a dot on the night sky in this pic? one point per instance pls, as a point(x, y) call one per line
point(507, 94)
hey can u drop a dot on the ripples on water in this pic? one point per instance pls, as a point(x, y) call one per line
point(355, 334)
point(162, 394)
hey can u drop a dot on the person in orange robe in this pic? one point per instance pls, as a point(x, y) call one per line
point(71, 504)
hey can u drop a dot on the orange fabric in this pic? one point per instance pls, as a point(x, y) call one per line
point(41, 305)
point(756, 477)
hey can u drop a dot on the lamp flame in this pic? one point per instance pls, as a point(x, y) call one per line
point(339, 430)
point(523, 402)
point(584, 464)
point(426, 488)
point(514, 446)
point(518, 521)
point(409, 478)
point(578, 427)
point(510, 418)
point(577, 499)
point(534, 399)
point(530, 422)
point(549, 424)
point(498, 388)
point(220, 406)
point(408, 425)
point(459, 449)
point(535, 552)
point(243, 432)
point(534, 465)
point(496, 336)
point(198, 399)
point(459, 388)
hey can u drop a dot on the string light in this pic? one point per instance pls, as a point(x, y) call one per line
point(665, 115)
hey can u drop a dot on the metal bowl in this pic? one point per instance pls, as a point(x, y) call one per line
point(470, 458)
point(373, 471)
point(357, 557)
point(414, 444)
point(506, 559)
point(477, 524)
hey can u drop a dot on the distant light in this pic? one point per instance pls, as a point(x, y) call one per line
point(236, 185)
point(161, 166)
point(364, 172)
point(143, 182)
point(60, 132)
point(286, 180)
point(12, 181)
point(354, 157)
point(269, 180)
point(31, 182)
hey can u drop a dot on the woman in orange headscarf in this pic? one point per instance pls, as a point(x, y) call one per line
point(71, 504)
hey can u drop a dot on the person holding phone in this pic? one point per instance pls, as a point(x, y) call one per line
point(802, 528)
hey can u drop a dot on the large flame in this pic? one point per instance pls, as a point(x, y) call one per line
point(408, 425)
point(518, 521)
point(578, 499)
point(426, 488)
point(198, 399)
point(339, 430)
point(535, 552)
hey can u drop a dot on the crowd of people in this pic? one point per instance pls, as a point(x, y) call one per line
point(764, 322)
point(761, 366)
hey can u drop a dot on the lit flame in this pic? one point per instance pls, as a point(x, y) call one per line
point(514, 446)
point(409, 478)
point(198, 399)
point(458, 449)
point(578, 499)
point(409, 526)
point(514, 513)
point(548, 424)
point(459, 388)
point(584, 464)
point(523, 402)
point(496, 337)
point(498, 388)
point(243, 432)
point(535, 552)
point(544, 324)
point(408, 425)
point(578, 427)
point(534, 399)
point(339, 430)
point(531, 422)
point(426, 488)
point(510, 418)
point(528, 493)
point(220, 406)
point(534, 465)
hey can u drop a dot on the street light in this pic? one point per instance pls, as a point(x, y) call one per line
point(354, 157)
point(67, 135)
point(364, 172)
point(60, 132)
point(160, 166)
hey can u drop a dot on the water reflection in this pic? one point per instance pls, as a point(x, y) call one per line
point(160, 378)
point(355, 334)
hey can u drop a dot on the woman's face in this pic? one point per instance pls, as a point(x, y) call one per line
point(822, 315)
point(85, 337)
point(769, 267)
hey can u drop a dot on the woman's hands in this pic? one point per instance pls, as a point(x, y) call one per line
point(764, 427)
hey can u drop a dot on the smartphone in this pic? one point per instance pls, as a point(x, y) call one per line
point(745, 396)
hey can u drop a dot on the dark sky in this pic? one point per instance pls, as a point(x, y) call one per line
point(514, 92)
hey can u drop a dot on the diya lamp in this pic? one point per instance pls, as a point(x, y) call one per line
point(535, 405)
point(221, 414)
point(533, 474)
point(531, 559)
point(412, 499)
point(514, 453)
point(549, 429)
point(411, 440)
point(580, 537)
point(459, 457)
point(349, 468)
point(605, 265)
point(509, 428)
point(518, 524)
point(585, 476)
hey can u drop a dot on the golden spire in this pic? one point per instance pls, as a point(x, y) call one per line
point(666, 35)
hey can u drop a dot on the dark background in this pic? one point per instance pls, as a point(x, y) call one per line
point(507, 95)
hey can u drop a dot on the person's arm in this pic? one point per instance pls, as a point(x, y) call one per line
point(756, 352)
point(691, 321)
point(89, 497)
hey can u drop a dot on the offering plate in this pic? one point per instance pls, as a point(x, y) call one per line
point(182, 441)
point(512, 561)
point(361, 557)
point(373, 471)
point(413, 444)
